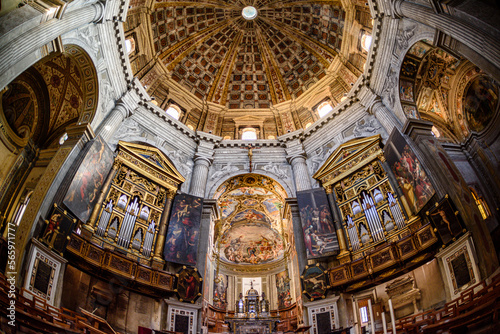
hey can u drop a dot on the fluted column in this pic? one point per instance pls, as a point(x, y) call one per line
point(344, 250)
point(200, 175)
point(102, 194)
point(160, 239)
point(300, 172)
point(387, 118)
point(13, 52)
point(482, 43)
point(112, 122)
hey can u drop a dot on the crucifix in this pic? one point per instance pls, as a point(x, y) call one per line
point(250, 154)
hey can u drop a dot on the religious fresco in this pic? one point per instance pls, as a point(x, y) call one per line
point(406, 91)
point(480, 102)
point(314, 282)
point(181, 245)
point(446, 220)
point(410, 174)
point(317, 224)
point(220, 291)
point(419, 49)
point(250, 229)
point(188, 284)
point(283, 286)
point(251, 244)
point(411, 111)
point(87, 182)
point(57, 230)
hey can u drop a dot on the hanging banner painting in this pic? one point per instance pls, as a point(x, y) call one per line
point(183, 233)
point(317, 223)
point(87, 182)
point(408, 170)
point(283, 285)
point(220, 291)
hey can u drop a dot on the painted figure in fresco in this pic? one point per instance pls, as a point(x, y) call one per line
point(308, 239)
point(190, 283)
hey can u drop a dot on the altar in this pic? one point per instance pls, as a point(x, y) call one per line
point(266, 325)
point(252, 315)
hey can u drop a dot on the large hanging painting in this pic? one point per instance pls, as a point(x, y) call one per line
point(220, 291)
point(59, 227)
point(317, 224)
point(446, 220)
point(314, 282)
point(255, 243)
point(480, 102)
point(183, 233)
point(283, 286)
point(87, 182)
point(189, 284)
point(408, 170)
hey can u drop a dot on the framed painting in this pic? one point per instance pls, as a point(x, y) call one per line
point(314, 282)
point(88, 180)
point(220, 291)
point(446, 220)
point(408, 171)
point(181, 245)
point(57, 230)
point(189, 284)
point(318, 228)
point(283, 286)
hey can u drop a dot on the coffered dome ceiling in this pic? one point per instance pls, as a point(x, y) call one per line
point(222, 57)
point(230, 56)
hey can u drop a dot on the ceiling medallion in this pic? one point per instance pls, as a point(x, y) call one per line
point(249, 13)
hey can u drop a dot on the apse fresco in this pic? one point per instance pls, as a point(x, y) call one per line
point(251, 244)
point(183, 233)
point(249, 191)
point(317, 224)
point(87, 182)
point(252, 215)
point(411, 177)
point(272, 207)
point(283, 286)
point(480, 102)
point(227, 206)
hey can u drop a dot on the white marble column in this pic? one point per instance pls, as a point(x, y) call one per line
point(13, 52)
point(200, 175)
point(384, 323)
point(393, 318)
point(372, 320)
point(300, 172)
point(387, 118)
point(112, 122)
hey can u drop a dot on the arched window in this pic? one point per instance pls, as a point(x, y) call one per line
point(129, 45)
point(324, 108)
point(435, 132)
point(173, 111)
point(21, 208)
point(366, 41)
point(481, 204)
point(308, 125)
point(249, 134)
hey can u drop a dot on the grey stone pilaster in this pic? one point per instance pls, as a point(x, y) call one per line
point(387, 118)
point(112, 122)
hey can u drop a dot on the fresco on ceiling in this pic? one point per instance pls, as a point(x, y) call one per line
point(434, 107)
point(220, 291)
point(249, 191)
point(250, 202)
point(406, 167)
point(480, 102)
point(271, 205)
point(87, 182)
point(181, 245)
point(227, 206)
point(419, 49)
point(410, 111)
point(251, 214)
point(317, 224)
point(251, 244)
point(283, 286)
point(406, 91)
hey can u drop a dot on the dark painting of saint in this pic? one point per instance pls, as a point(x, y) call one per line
point(88, 180)
point(183, 233)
